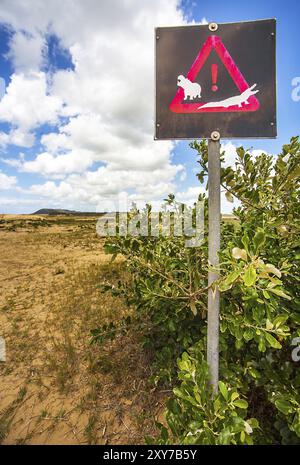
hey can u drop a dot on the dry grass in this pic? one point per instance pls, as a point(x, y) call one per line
point(55, 387)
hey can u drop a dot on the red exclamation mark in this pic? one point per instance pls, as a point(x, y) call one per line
point(214, 77)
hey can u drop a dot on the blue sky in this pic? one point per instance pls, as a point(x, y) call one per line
point(72, 133)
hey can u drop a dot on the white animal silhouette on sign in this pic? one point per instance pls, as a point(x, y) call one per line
point(237, 100)
point(191, 89)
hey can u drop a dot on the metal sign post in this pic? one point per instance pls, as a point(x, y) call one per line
point(215, 79)
point(214, 234)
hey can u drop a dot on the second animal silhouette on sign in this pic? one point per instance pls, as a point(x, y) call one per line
point(232, 101)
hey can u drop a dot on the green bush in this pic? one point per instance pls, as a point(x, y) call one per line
point(259, 399)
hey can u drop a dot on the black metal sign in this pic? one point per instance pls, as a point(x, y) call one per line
point(216, 77)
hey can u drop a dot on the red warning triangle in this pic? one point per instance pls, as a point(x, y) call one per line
point(246, 101)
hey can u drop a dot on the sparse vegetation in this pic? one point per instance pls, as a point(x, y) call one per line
point(98, 345)
point(259, 399)
point(56, 387)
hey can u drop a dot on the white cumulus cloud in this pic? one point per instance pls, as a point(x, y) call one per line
point(101, 109)
point(27, 51)
point(7, 182)
point(27, 104)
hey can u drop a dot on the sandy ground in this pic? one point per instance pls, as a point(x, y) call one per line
point(55, 386)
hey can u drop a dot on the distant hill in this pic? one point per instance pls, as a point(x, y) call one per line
point(56, 211)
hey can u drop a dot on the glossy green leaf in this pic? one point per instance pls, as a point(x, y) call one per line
point(241, 403)
point(272, 341)
point(223, 390)
point(259, 240)
point(249, 276)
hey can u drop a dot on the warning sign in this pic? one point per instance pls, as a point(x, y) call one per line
point(220, 78)
point(190, 90)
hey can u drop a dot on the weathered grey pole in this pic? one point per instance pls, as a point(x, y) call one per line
point(214, 215)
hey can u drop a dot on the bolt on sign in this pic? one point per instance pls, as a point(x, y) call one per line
point(216, 77)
